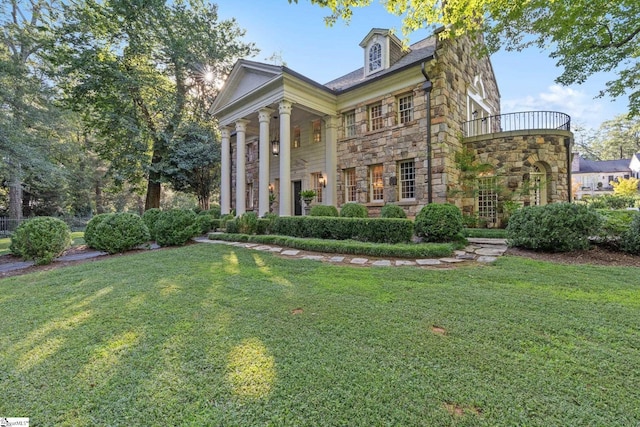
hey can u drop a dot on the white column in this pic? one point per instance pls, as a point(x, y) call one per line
point(241, 148)
point(331, 159)
point(225, 178)
point(285, 158)
point(264, 117)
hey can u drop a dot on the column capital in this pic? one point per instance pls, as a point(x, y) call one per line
point(241, 125)
point(264, 115)
point(285, 107)
point(331, 121)
point(225, 132)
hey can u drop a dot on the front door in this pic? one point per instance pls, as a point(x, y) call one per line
point(297, 203)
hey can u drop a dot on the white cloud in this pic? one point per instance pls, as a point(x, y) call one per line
point(581, 107)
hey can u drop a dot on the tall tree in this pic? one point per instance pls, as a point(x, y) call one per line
point(619, 138)
point(585, 37)
point(132, 68)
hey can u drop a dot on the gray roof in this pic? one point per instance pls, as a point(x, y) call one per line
point(418, 52)
point(586, 166)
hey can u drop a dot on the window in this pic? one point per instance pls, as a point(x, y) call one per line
point(249, 196)
point(407, 173)
point(295, 142)
point(350, 193)
point(251, 155)
point(539, 186)
point(315, 183)
point(375, 117)
point(375, 57)
point(376, 183)
point(405, 109)
point(487, 199)
point(349, 124)
point(316, 131)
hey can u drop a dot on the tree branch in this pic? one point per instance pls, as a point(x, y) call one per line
point(618, 44)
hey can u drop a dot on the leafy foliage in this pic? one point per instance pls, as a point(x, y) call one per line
point(625, 187)
point(150, 218)
point(41, 239)
point(631, 238)
point(92, 225)
point(248, 223)
point(354, 210)
point(437, 222)
point(176, 227)
point(558, 227)
point(120, 232)
point(323, 210)
point(611, 201)
point(392, 211)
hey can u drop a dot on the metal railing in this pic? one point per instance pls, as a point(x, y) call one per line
point(8, 225)
point(525, 120)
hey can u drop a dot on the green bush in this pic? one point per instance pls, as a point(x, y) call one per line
point(176, 227)
point(631, 238)
point(392, 211)
point(438, 222)
point(90, 231)
point(248, 223)
point(558, 227)
point(231, 226)
point(41, 239)
point(354, 210)
point(120, 232)
point(322, 210)
point(615, 225)
point(214, 211)
point(611, 201)
point(207, 221)
point(150, 218)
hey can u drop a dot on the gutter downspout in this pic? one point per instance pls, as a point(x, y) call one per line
point(567, 145)
point(427, 86)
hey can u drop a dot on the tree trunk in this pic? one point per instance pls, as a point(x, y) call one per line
point(99, 200)
point(203, 202)
point(153, 194)
point(15, 197)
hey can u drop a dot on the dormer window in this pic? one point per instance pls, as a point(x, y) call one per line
point(375, 57)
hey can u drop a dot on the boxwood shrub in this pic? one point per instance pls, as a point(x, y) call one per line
point(41, 239)
point(392, 211)
point(354, 210)
point(150, 217)
point(558, 227)
point(439, 222)
point(322, 210)
point(176, 227)
point(120, 232)
point(231, 226)
point(92, 225)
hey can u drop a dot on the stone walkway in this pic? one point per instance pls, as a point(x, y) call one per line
point(479, 250)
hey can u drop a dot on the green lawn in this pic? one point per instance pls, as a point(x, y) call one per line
point(216, 335)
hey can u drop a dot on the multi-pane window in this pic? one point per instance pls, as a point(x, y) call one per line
point(295, 141)
point(249, 196)
point(375, 117)
point(316, 182)
point(350, 192)
point(405, 109)
point(350, 124)
point(487, 199)
point(539, 186)
point(376, 183)
point(251, 155)
point(407, 173)
point(316, 130)
point(375, 57)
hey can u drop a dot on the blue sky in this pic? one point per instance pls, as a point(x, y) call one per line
point(298, 34)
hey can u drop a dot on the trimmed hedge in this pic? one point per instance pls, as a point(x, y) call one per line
point(347, 247)
point(631, 238)
point(41, 239)
point(380, 230)
point(322, 210)
point(120, 232)
point(439, 222)
point(354, 210)
point(392, 211)
point(176, 227)
point(558, 227)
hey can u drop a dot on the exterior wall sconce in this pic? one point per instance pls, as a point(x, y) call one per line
point(275, 146)
point(322, 181)
point(271, 188)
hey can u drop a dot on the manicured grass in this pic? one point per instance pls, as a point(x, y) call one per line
point(497, 233)
point(218, 335)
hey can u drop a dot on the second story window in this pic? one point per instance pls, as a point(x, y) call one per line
point(295, 141)
point(405, 109)
point(375, 57)
point(375, 117)
point(316, 131)
point(350, 124)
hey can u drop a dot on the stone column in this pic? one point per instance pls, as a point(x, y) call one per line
point(225, 173)
point(241, 148)
point(285, 158)
point(331, 159)
point(264, 117)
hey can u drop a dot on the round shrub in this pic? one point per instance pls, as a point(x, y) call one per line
point(439, 222)
point(248, 223)
point(354, 210)
point(631, 239)
point(120, 232)
point(176, 227)
point(41, 239)
point(150, 217)
point(392, 211)
point(558, 227)
point(323, 210)
point(214, 211)
point(90, 231)
point(206, 221)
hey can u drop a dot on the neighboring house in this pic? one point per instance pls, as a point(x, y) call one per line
point(594, 177)
point(365, 137)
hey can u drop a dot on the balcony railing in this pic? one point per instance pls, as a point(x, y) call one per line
point(526, 120)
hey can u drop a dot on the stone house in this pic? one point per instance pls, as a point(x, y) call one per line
point(410, 127)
